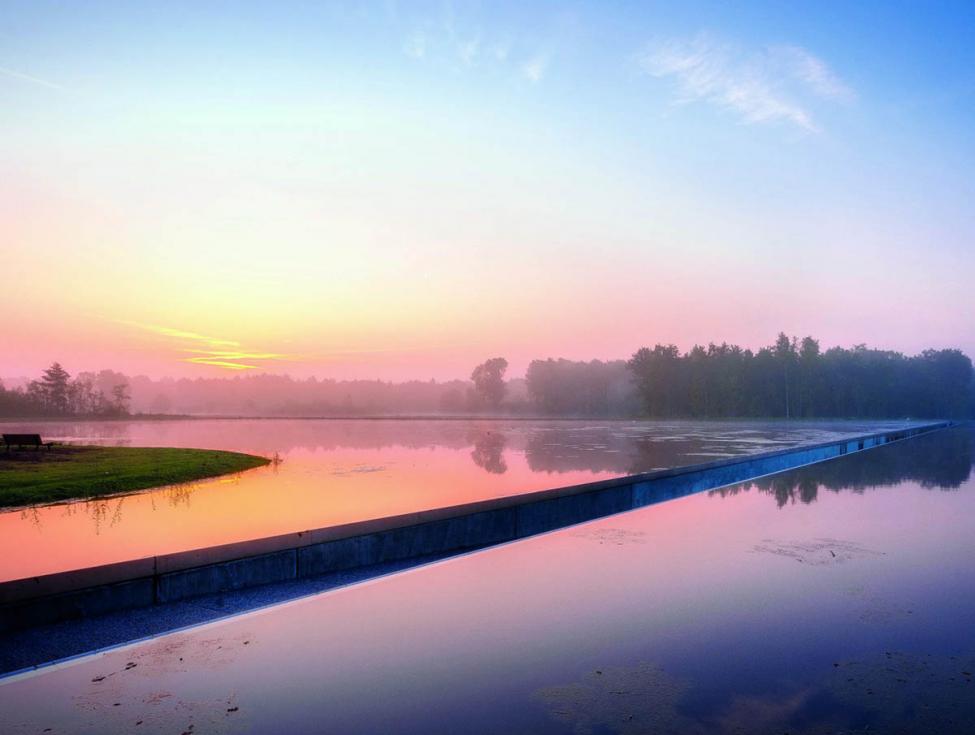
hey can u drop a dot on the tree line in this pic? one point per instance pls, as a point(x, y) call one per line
point(790, 378)
point(104, 394)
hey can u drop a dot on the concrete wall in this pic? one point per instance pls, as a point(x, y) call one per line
point(172, 577)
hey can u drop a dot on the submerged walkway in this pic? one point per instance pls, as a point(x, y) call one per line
point(226, 580)
point(813, 600)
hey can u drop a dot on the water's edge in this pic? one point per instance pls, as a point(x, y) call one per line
point(178, 576)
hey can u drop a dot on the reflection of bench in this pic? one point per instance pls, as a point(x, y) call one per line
point(24, 440)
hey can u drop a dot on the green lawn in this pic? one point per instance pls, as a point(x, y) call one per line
point(67, 472)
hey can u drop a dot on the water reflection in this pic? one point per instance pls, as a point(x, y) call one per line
point(621, 447)
point(884, 690)
point(703, 615)
point(488, 452)
point(331, 472)
point(943, 461)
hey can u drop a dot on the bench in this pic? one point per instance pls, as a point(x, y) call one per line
point(24, 440)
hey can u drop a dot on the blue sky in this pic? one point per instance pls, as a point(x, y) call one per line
point(706, 170)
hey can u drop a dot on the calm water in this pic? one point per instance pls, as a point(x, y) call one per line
point(340, 471)
point(836, 598)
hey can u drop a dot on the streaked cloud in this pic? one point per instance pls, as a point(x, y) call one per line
point(208, 350)
point(180, 334)
point(772, 84)
point(28, 78)
point(814, 72)
point(231, 359)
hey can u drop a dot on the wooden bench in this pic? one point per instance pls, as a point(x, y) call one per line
point(24, 440)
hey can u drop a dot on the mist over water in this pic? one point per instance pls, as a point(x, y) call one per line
point(339, 471)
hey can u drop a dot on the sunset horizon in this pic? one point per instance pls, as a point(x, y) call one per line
point(174, 207)
point(384, 367)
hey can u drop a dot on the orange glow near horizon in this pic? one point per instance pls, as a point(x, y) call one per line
point(345, 209)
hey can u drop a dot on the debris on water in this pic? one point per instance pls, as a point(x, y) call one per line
point(814, 551)
point(613, 536)
point(232, 709)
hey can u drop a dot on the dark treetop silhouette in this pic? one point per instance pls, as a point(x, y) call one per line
point(788, 379)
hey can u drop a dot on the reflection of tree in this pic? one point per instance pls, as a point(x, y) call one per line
point(942, 460)
point(180, 494)
point(32, 515)
point(101, 510)
point(488, 452)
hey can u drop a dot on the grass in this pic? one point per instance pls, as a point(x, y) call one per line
point(68, 472)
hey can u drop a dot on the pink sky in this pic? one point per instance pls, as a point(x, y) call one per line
point(351, 204)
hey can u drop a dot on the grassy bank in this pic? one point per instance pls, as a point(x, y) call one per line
point(68, 472)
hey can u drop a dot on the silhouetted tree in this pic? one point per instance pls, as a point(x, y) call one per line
point(488, 379)
point(655, 372)
point(795, 379)
point(120, 399)
point(786, 358)
point(788, 378)
point(55, 389)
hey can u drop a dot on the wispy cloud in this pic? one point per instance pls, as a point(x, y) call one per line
point(231, 359)
point(814, 72)
point(180, 334)
point(501, 50)
point(28, 78)
point(208, 350)
point(534, 69)
point(461, 43)
point(774, 84)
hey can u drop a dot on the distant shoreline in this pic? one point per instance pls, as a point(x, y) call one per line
point(435, 417)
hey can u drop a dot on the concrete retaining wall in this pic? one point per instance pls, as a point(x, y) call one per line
point(179, 576)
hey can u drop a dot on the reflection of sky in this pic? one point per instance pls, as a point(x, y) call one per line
point(341, 471)
point(705, 614)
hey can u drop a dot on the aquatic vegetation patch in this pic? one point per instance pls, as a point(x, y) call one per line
point(816, 552)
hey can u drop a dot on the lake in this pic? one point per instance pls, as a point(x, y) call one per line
point(832, 598)
point(337, 471)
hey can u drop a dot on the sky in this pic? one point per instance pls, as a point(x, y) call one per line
point(401, 190)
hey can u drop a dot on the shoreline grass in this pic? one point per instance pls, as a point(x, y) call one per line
point(70, 472)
